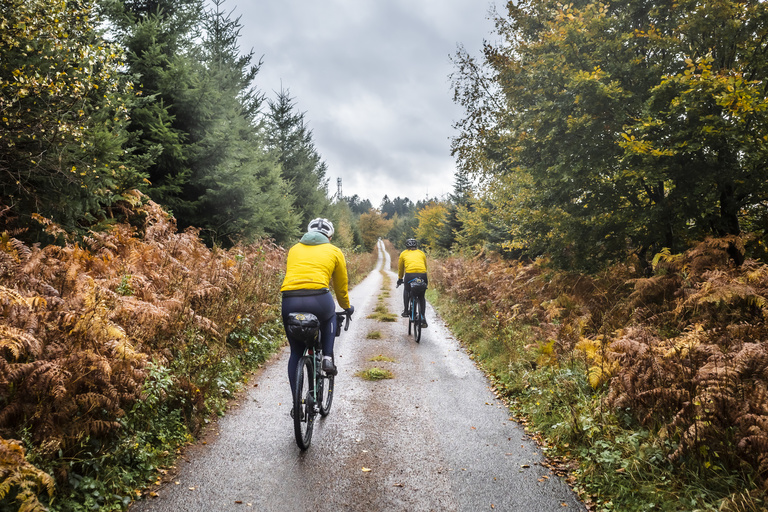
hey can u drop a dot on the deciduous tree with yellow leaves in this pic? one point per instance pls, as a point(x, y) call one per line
point(63, 109)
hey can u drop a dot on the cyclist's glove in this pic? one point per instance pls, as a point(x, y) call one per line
point(399, 282)
point(350, 310)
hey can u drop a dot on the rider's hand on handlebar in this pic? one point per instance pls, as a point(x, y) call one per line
point(399, 282)
point(350, 310)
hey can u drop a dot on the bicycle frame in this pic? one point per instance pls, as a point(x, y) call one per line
point(416, 314)
point(309, 398)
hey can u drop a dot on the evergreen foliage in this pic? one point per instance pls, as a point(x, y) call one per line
point(198, 123)
point(158, 39)
point(290, 143)
point(358, 205)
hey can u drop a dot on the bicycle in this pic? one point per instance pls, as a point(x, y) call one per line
point(416, 315)
point(314, 388)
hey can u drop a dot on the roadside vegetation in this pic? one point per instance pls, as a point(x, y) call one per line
point(650, 391)
point(118, 349)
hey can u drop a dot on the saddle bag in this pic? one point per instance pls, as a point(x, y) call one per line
point(303, 327)
point(418, 285)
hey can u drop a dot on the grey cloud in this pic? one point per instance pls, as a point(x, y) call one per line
point(372, 77)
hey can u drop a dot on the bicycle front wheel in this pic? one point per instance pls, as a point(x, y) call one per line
point(325, 393)
point(304, 403)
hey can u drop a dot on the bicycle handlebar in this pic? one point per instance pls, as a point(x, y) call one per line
point(343, 314)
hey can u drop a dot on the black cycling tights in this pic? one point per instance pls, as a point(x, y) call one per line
point(324, 308)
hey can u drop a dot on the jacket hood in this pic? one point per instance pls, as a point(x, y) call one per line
point(314, 238)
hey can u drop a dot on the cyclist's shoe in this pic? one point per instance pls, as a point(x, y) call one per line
point(405, 314)
point(328, 366)
point(424, 323)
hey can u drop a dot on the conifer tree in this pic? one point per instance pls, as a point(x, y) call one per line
point(291, 142)
point(235, 190)
point(158, 38)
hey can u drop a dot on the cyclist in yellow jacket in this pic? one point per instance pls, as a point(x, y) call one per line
point(310, 267)
point(412, 264)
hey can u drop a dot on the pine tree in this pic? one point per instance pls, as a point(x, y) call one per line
point(290, 141)
point(236, 190)
point(158, 38)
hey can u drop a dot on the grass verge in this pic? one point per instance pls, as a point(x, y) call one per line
point(613, 463)
point(375, 373)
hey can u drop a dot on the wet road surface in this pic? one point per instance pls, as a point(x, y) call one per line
point(432, 438)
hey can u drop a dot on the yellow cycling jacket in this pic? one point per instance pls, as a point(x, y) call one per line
point(311, 265)
point(412, 261)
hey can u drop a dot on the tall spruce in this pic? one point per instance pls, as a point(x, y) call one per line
point(158, 37)
point(291, 142)
point(235, 191)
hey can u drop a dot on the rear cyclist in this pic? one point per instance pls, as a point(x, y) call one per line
point(412, 264)
point(310, 267)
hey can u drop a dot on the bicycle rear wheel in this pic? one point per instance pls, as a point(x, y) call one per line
point(410, 319)
point(325, 393)
point(417, 326)
point(304, 403)
point(415, 318)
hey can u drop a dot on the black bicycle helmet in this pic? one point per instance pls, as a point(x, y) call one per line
point(321, 225)
point(411, 243)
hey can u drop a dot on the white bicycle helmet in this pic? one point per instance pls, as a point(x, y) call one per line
point(321, 225)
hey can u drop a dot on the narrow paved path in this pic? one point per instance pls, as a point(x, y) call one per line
point(432, 438)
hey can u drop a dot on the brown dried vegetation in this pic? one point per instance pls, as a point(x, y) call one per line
point(685, 351)
point(80, 322)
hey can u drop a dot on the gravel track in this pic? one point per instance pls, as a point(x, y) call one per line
point(432, 438)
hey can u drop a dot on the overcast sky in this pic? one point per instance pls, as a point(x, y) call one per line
point(372, 79)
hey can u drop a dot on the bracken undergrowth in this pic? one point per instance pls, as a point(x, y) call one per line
point(117, 348)
point(644, 378)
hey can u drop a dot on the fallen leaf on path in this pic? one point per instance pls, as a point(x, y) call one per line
point(398, 485)
point(525, 466)
point(366, 470)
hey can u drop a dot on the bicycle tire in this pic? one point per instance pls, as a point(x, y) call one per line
point(410, 316)
point(325, 393)
point(417, 329)
point(304, 403)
